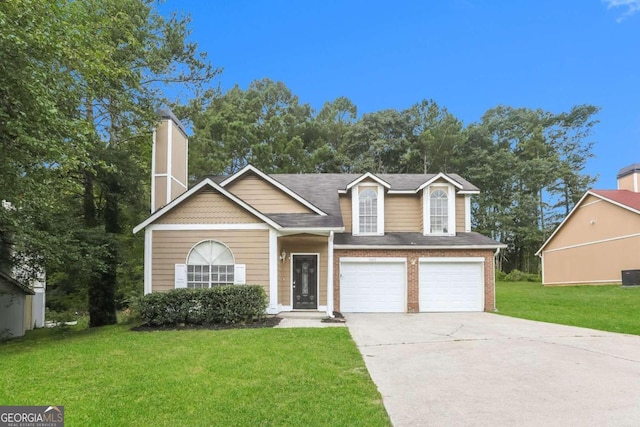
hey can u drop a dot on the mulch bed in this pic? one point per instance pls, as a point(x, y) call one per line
point(267, 322)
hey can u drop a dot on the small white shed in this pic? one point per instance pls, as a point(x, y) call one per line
point(16, 309)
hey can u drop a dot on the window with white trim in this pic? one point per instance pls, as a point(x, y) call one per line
point(368, 211)
point(210, 263)
point(439, 211)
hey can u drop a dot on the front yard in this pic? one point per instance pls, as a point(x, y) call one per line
point(606, 308)
point(112, 376)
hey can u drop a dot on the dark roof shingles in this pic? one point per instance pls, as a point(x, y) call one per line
point(417, 239)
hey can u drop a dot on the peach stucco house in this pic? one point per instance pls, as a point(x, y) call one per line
point(326, 242)
point(599, 238)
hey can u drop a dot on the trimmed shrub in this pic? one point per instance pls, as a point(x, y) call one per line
point(218, 305)
point(500, 276)
point(520, 276)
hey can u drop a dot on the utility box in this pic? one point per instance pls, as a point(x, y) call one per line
point(630, 277)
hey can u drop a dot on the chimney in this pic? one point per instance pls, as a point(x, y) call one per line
point(169, 174)
point(629, 178)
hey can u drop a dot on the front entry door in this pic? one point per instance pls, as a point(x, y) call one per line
point(305, 281)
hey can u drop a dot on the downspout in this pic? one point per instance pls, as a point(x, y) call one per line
point(495, 255)
point(330, 277)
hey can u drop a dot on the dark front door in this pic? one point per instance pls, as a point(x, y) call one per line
point(305, 281)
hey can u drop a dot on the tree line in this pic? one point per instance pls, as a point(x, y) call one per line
point(528, 163)
point(80, 84)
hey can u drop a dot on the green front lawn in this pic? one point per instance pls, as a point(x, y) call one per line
point(113, 376)
point(606, 308)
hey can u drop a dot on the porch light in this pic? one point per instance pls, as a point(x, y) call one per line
point(283, 256)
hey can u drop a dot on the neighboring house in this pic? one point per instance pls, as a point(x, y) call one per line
point(327, 242)
point(16, 310)
point(35, 299)
point(599, 238)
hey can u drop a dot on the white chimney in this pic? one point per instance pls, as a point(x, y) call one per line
point(629, 178)
point(169, 169)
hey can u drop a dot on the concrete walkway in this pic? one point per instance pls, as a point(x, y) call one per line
point(305, 319)
point(481, 369)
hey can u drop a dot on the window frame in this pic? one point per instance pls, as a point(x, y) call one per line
point(451, 209)
point(211, 269)
point(355, 209)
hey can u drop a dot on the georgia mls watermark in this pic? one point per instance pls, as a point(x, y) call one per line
point(31, 416)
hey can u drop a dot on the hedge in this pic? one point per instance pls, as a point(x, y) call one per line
point(219, 305)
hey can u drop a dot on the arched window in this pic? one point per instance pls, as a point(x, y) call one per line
point(439, 211)
point(368, 214)
point(210, 263)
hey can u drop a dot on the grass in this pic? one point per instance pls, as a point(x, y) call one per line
point(112, 376)
point(606, 308)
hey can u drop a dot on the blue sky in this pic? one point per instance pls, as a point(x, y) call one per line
point(467, 55)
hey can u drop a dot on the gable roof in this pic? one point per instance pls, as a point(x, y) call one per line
point(368, 175)
point(623, 198)
point(317, 191)
point(204, 183)
point(441, 176)
point(5, 278)
point(274, 182)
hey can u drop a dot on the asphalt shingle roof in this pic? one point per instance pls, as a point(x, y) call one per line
point(624, 197)
point(322, 191)
point(417, 240)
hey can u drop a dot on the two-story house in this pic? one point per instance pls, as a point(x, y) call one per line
point(327, 242)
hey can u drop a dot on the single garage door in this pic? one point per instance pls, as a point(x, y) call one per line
point(372, 285)
point(452, 284)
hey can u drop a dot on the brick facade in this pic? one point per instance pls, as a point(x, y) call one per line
point(413, 264)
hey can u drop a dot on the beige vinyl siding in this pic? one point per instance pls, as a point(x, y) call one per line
point(249, 247)
point(301, 243)
point(178, 155)
point(162, 133)
point(208, 207)
point(160, 192)
point(345, 208)
point(595, 220)
point(422, 218)
point(402, 212)
point(459, 213)
point(176, 189)
point(265, 197)
point(629, 182)
point(597, 263)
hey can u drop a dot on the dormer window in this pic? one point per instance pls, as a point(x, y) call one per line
point(439, 210)
point(368, 209)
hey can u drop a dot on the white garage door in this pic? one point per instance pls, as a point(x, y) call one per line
point(375, 285)
point(452, 285)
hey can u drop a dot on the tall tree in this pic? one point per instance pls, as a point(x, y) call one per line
point(264, 125)
point(92, 74)
point(436, 141)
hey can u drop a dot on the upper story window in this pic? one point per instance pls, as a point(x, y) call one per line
point(368, 211)
point(439, 212)
point(210, 263)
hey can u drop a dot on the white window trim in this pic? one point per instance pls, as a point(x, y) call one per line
point(426, 209)
point(467, 213)
point(355, 209)
point(203, 241)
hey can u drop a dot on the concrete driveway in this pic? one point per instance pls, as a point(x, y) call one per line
point(480, 369)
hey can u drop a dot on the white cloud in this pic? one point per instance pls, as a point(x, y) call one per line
point(632, 6)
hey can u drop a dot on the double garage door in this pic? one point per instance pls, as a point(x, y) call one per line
point(379, 285)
